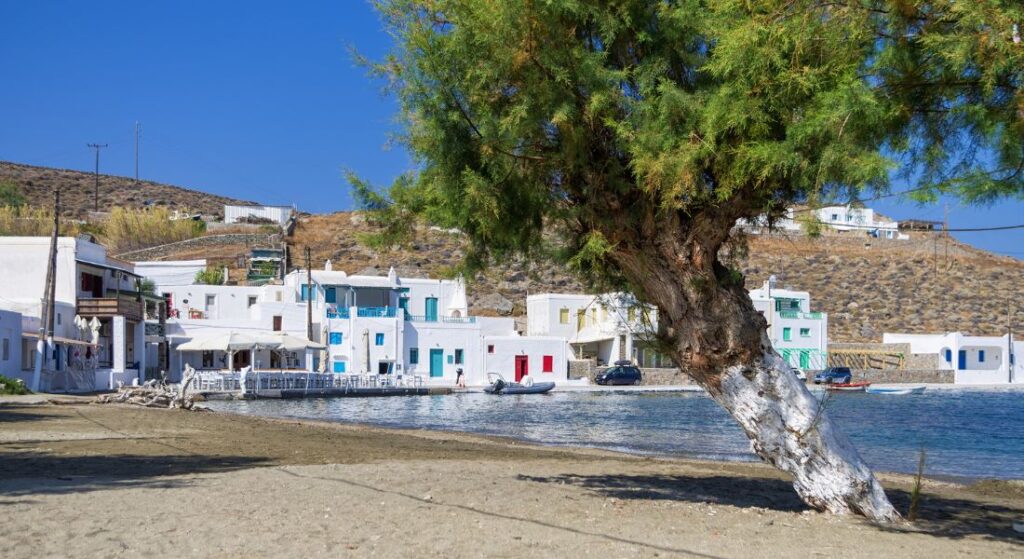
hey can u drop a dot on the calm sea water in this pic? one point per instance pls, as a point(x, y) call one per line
point(966, 433)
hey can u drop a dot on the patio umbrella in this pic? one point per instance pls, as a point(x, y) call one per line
point(287, 342)
point(231, 341)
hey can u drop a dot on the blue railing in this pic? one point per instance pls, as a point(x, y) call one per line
point(377, 312)
point(446, 319)
point(338, 313)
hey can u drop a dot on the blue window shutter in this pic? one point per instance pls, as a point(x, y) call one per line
point(451, 359)
point(379, 339)
point(339, 366)
point(949, 356)
point(414, 355)
point(331, 295)
point(981, 356)
point(335, 338)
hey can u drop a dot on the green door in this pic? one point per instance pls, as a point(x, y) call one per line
point(805, 359)
point(436, 362)
point(431, 310)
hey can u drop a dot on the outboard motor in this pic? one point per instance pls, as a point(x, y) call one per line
point(498, 385)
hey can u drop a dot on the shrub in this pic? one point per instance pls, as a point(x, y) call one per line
point(11, 195)
point(31, 222)
point(210, 276)
point(12, 386)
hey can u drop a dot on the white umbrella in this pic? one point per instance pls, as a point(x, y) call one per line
point(231, 341)
point(286, 342)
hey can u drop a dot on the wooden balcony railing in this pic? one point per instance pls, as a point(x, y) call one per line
point(110, 306)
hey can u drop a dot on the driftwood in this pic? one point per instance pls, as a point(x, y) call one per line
point(155, 394)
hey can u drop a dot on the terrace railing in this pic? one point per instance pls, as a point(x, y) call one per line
point(377, 312)
point(798, 314)
point(445, 319)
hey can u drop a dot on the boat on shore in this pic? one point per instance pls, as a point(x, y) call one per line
point(499, 385)
point(848, 386)
point(895, 390)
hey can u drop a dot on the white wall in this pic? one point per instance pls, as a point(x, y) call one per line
point(277, 214)
point(505, 349)
point(995, 369)
point(170, 273)
point(10, 344)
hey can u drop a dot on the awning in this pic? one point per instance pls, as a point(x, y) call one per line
point(57, 339)
point(234, 341)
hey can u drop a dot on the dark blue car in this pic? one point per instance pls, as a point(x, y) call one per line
point(834, 375)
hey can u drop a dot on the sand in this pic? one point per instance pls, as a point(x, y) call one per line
point(85, 480)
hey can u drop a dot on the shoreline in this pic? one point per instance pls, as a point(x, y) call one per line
point(88, 480)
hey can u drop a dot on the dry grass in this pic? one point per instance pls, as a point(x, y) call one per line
point(31, 222)
point(128, 229)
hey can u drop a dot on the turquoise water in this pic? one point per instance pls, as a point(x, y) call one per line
point(966, 433)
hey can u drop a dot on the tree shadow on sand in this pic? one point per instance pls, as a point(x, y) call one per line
point(10, 413)
point(939, 516)
point(30, 473)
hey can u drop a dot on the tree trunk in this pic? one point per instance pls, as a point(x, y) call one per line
point(708, 324)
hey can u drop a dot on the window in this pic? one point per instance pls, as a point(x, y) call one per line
point(7, 349)
point(835, 217)
point(787, 334)
point(207, 359)
point(305, 294)
point(211, 300)
point(339, 366)
point(451, 359)
point(490, 348)
point(277, 323)
point(414, 355)
point(981, 356)
point(563, 316)
point(547, 364)
point(334, 338)
point(805, 332)
point(458, 356)
point(330, 295)
point(949, 356)
point(252, 300)
point(58, 319)
point(378, 339)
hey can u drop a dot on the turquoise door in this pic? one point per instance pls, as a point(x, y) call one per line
point(436, 362)
point(431, 311)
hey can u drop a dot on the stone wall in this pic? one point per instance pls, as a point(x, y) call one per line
point(583, 368)
point(162, 251)
point(651, 376)
point(896, 376)
point(877, 361)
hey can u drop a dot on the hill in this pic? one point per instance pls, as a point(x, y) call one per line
point(77, 191)
point(868, 286)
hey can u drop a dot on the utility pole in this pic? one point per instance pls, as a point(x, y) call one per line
point(138, 135)
point(309, 298)
point(45, 342)
point(1009, 340)
point(945, 234)
point(96, 190)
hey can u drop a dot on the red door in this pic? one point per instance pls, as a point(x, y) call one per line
point(522, 367)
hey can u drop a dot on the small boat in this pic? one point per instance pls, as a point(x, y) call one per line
point(501, 386)
point(848, 386)
point(896, 391)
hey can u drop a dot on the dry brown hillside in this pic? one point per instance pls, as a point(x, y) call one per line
point(77, 191)
point(926, 284)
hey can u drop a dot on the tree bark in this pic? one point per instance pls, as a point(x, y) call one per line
point(708, 324)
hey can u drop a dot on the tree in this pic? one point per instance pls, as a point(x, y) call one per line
point(11, 195)
point(636, 133)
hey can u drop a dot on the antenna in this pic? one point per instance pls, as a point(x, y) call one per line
point(96, 189)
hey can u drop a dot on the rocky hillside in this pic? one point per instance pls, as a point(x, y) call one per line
point(77, 191)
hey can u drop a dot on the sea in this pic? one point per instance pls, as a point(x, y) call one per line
point(966, 434)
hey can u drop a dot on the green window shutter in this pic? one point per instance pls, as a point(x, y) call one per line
point(787, 334)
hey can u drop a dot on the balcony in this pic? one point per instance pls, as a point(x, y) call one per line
point(106, 307)
point(377, 312)
point(798, 314)
point(445, 319)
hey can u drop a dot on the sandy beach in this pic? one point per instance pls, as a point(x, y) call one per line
point(86, 480)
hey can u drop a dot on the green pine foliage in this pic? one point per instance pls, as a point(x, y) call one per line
point(600, 122)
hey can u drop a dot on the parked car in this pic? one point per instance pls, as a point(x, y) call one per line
point(800, 375)
point(834, 375)
point(625, 374)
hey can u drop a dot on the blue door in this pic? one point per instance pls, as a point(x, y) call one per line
point(431, 310)
point(436, 362)
point(961, 359)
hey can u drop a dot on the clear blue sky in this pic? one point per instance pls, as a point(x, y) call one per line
point(257, 100)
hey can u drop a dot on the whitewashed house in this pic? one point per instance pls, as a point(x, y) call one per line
point(11, 365)
point(371, 325)
point(611, 327)
point(89, 285)
point(170, 273)
point(974, 359)
point(243, 214)
point(799, 334)
point(850, 218)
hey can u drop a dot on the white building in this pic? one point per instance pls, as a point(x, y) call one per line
point(974, 359)
point(840, 218)
point(611, 327)
point(275, 214)
point(89, 284)
point(376, 325)
point(170, 273)
point(11, 364)
point(799, 334)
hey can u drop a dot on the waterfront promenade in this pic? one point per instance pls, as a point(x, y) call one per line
point(84, 480)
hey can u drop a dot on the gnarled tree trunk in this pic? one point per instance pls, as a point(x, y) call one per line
point(711, 328)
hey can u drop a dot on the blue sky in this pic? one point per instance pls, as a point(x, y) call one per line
point(257, 100)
